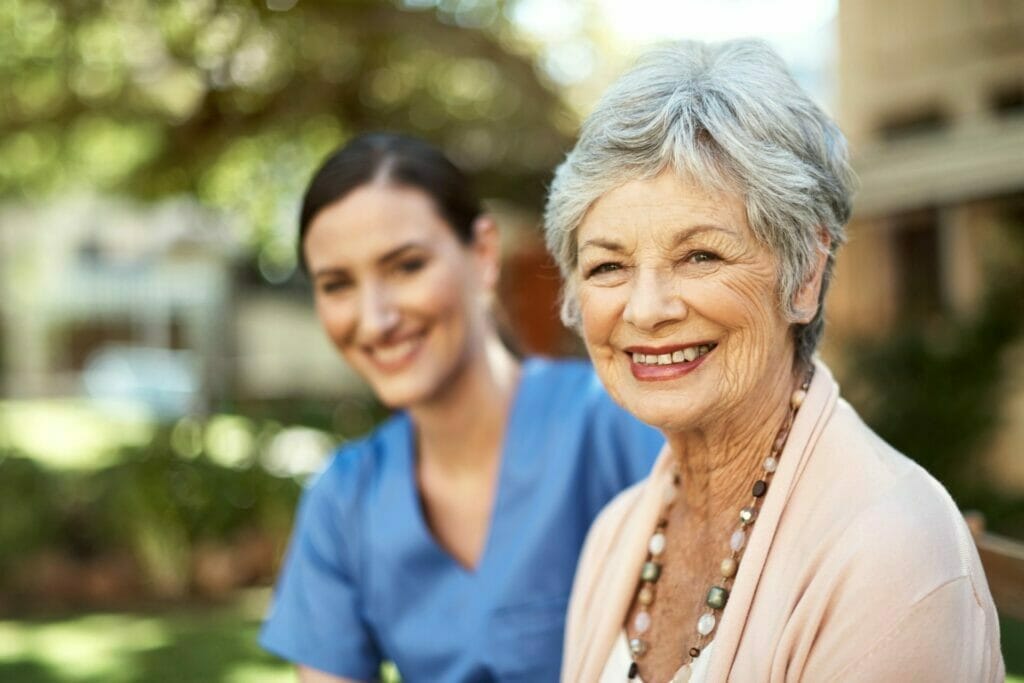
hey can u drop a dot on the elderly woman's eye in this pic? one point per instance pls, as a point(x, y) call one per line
point(602, 268)
point(702, 257)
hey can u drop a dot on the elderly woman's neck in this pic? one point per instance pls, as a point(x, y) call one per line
point(721, 460)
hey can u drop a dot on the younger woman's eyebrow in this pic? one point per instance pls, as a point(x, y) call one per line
point(400, 250)
point(387, 257)
point(329, 271)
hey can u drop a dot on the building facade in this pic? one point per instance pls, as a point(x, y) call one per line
point(931, 96)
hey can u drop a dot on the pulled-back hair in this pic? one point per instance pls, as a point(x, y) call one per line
point(398, 159)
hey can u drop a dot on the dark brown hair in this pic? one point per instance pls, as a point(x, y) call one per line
point(399, 159)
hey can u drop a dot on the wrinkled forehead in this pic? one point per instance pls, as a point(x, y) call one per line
point(659, 207)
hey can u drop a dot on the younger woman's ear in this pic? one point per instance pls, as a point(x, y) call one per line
point(487, 249)
point(805, 304)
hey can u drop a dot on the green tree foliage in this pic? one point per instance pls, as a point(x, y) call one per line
point(235, 101)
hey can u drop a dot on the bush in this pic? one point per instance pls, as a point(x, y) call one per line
point(164, 510)
point(936, 394)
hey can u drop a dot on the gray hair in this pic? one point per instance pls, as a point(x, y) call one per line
point(730, 117)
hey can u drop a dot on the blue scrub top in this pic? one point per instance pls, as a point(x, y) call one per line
point(365, 580)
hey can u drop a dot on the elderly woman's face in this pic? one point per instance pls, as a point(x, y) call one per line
point(678, 301)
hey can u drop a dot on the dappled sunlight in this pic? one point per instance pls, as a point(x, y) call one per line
point(209, 644)
point(72, 434)
point(84, 648)
point(255, 673)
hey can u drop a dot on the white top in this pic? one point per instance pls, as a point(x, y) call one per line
point(619, 659)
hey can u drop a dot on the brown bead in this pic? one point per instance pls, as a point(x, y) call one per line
point(780, 441)
point(760, 488)
point(646, 596)
point(728, 567)
point(694, 652)
point(662, 523)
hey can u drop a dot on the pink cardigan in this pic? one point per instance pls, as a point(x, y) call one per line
point(859, 568)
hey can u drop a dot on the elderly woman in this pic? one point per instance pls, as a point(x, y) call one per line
point(777, 538)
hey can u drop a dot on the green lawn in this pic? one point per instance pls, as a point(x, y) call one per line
point(185, 645)
point(196, 645)
point(1012, 632)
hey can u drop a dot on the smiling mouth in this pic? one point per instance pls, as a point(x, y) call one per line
point(395, 355)
point(680, 356)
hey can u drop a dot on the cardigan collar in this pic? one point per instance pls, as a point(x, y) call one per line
point(807, 427)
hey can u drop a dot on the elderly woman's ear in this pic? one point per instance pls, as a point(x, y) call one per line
point(808, 297)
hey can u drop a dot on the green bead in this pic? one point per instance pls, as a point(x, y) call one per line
point(747, 515)
point(650, 572)
point(717, 597)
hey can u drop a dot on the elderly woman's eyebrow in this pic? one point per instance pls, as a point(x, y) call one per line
point(602, 243)
point(695, 230)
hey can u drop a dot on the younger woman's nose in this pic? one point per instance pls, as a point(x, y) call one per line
point(378, 314)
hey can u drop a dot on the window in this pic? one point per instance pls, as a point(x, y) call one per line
point(918, 265)
point(923, 121)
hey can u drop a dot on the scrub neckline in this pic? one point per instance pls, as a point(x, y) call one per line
point(526, 368)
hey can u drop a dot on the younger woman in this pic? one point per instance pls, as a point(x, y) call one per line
point(445, 540)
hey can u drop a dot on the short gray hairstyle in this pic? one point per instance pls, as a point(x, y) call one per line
point(730, 117)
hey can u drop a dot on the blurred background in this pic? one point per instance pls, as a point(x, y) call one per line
point(167, 389)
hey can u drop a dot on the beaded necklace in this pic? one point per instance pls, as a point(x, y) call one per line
point(718, 594)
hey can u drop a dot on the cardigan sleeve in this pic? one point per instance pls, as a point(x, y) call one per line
point(922, 646)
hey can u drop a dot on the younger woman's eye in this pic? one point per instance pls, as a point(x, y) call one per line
point(411, 265)
point(602, 268)
point(332, 286)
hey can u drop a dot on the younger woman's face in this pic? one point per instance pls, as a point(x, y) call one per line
point(399, 295)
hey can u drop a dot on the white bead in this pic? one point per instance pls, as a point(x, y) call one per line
point(706, 624)
point(683, 675)
point(770, 464)
point(737, 540)
point(642, 621)
point(657, 544)
point(669, 494)
point(797, 399)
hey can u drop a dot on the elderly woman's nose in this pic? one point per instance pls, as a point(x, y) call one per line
point(653, 301)
point(378, 313)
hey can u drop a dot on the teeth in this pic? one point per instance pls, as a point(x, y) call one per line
point(390, 354)
point(687, 355)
